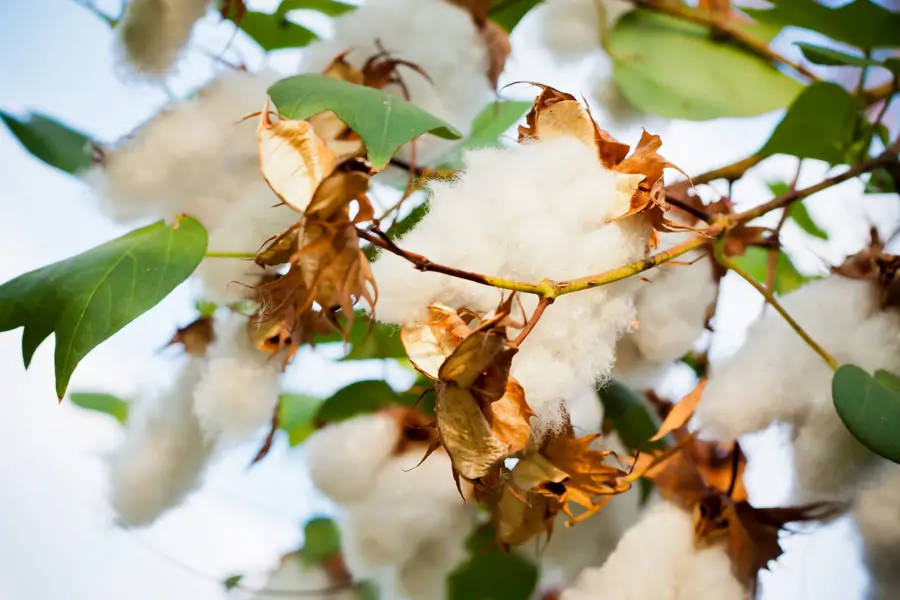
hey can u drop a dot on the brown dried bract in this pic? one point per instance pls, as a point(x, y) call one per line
point(195, 337)
point(494, 37)
point(874, 264)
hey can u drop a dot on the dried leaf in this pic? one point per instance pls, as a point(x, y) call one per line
point(681, 413)
point(292, 158)
point(496, 40)
point(428, 344)
point(510, 417)
point(466, 433)
point(195, 337)
point(472, 358)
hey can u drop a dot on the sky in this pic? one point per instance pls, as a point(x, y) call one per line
point(57, 537)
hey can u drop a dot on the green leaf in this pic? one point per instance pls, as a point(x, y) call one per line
point(507, 14)
point(232, 582)
point(384, 122)
point(358, 398)
point(321, 539)
point(892, 64)
point(368, 590)
point(881, 183)
point(870, 408)
point(56, 144)
point(494, 120)
point(756, 260)
point(104, 403)
point(205, 308)
point(87, 298)
point(821, 55)
point(630, 415)
point(331, 8)
point(382, 341)
point(296, 416)
point(671, 68)
point(819, 124)
point(274, 32)
point(800, 215)
point(861, 23)
point(489, 574)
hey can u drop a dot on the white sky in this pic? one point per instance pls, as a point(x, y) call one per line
point(57, 541)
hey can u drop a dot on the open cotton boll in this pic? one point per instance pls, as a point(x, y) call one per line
point(585, 411)
point(877, 515)
point(162, 455)
point(194, 157)
point(776, 377)
point(528, 212)
point(239, 384)
point(294, 576)
point(345, 458)
point(152, 33)
point(657, 558)
point(453, 55)
point(424, 575)
point(405, 508)
point(573, 28)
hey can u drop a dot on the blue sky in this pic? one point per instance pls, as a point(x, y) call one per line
point(57, 539)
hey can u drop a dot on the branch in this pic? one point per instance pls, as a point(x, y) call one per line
point(770, 298)
point(245, 255)
point(725, 24)
point(535, 317)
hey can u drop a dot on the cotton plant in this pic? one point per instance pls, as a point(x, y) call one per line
point(545, 267)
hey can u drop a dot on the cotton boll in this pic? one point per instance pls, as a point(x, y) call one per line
point(194, 157)
point(528, 212)
point(153, 32)
point(406, 507)
point(424, 576)
point(453, 56)
point(573, 28)
point(344, 458)
point(293, 576)
point(657, 558)
point(585, 411)
point(777, 377)
point(162, 455)
point(239, 384)
point(877, 515)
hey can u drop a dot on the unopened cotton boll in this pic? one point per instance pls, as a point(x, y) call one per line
point(528, 212)
point(294, 576)
point(452, 55)
point(162, 455)
point(345, 458)
point(777, 377)
point(877, 515)
point(406, 507)
point(239, 384)
point(657, 558)
point(153, 32)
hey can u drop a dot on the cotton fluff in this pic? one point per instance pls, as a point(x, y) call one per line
point(293, 576)
point(162, 455)
point(777, 377)
point(239, 384)
point(877, 515)
point(407, 508)
point(573, 28)
point(344, 458)
point(153, 32)
point(424, 575)
point(657, 558)
point(197, 157)
point(671, 312)
point(527, 212)
point(437, 36)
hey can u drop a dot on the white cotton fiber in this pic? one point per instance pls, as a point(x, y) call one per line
point(152, 33)
point(777, 377)
point(345, 458)
point(527, 212)
point(293, 576)
point(162, 455)
point(877, 514)
point(239, 384)
point(424, 575)
point(657, 558)
point(406, 507)
point(437, 36)
point(574, 28)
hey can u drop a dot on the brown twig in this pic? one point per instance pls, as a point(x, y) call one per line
point(270, 437)
point(535, 317)
point(772, 258)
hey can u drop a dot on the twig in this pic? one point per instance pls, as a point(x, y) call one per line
point(722, 23)
point(535, 317)
point(691, 210)
point(270, 437)
point(770, 298)
point(245, 255)
point(772, 262)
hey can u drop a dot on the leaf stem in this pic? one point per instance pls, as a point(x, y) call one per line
point(244, 255)
point(723, 23)
point(535, 317)
point(770, 298)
